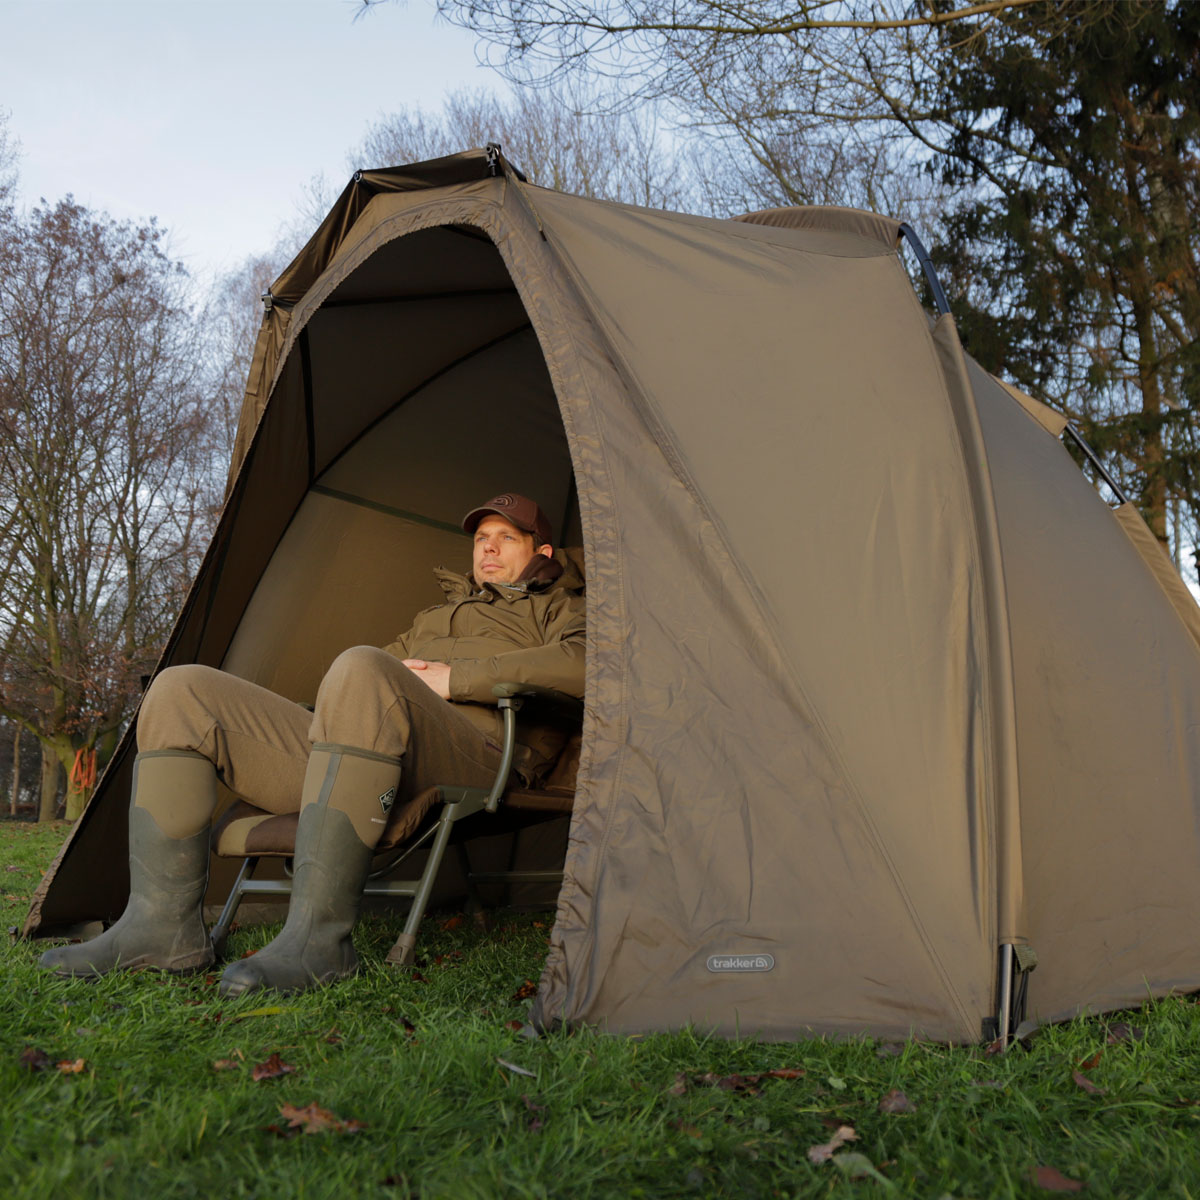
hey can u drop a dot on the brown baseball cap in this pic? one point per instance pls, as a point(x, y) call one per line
point(520, 510)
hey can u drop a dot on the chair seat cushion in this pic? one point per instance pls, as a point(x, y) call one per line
point(245, 831)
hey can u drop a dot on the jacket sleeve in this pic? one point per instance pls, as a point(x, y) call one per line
point(398, 648)
point(558, 663)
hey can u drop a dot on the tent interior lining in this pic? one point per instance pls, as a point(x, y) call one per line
point(412, 424)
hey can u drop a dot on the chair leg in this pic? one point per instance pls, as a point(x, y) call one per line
point(220, 931)
point(476, 908)
point(401, 954)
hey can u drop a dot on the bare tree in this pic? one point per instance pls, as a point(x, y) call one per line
point(230, 322)
point(640, 41)
point(562, 137)
point(105, 502)
point(8, 165)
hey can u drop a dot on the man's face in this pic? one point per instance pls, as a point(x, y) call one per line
point(502, 551)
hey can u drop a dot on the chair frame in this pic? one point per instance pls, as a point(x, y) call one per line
point(457, 803)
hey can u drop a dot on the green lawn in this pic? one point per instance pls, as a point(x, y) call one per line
point(427, 1087)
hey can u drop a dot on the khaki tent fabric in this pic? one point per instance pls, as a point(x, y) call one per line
point(876, 682)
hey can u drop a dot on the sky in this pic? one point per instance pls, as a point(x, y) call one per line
point(212, 115)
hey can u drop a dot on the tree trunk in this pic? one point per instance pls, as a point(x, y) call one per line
point(49, 801)
point(79, 791)
point(14, 799)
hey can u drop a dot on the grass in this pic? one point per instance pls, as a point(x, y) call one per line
point(416, 1060)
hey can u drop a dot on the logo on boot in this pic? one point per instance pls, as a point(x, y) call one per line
point(387, 800)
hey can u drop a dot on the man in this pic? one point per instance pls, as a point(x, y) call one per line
point(386, 725)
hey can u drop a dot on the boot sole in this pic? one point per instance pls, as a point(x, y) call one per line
point(194, 969)
point(229, 990)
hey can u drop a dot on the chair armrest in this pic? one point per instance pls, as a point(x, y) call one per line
point(510, 697)
point(566, 706)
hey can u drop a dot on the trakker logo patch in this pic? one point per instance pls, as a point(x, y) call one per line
point(387, 800)
point(722, 963)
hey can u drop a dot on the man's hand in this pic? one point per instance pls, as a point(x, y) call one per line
point(435, 675)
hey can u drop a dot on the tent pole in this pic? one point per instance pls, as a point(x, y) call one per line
point(1094, 459)
point(935, 285)
point(1005, 998)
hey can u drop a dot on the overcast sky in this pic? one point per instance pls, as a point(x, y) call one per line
point(212, 115)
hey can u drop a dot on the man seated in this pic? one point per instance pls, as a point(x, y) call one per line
point(386, 725)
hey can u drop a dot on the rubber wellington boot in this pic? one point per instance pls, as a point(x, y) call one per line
point(347, 795)
point(171, 807)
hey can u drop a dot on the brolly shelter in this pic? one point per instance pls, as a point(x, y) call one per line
point(881, 692)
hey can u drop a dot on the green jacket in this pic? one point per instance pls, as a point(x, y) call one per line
point(530, 632)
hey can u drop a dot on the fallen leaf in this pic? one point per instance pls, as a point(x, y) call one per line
point(518, 1070)
point(272, 1010)
point(1124, 1033)
point(71, 1067)
point(896, 1102)
point(1050, 1179)
point(691, 1131)
point(1094, 1061)
point(515, 1026)
point(785, 1073)
point(730, 1083)
point(858, 1166)
point(226, 1064)
point(451, 922)
point(33, 1059)
point(1088, 1086)
point(994, 1048)
point(526, 991)
point(312, 1119)
point(824, 1152)
point(273, 1068)
point(746, 1084)
point(535, 1122)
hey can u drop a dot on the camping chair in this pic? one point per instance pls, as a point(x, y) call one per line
point(431, 819)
